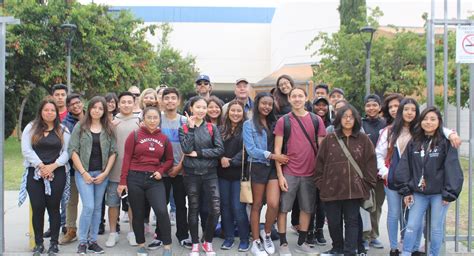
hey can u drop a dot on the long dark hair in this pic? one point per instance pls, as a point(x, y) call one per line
point(281, 99)
point(339, 116)
point(226, 128)
point(112, 96)
point(419, 135)
point(219, 103)
point(39, 126)
point(271, 119)
point(104, 120)
point(398, 124)
point(385, 109)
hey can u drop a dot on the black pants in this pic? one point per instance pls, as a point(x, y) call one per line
point(141, 187)
point(193, 185)
point(316, 219)
point(179, 195)
point(348, 210)
point(40, 202)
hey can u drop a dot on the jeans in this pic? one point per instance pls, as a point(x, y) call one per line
point(71, 211)
point(207, 183)
point(141, 188)
point(233, 210)
point(415, 222)
point(91, 198)
point(348, 210)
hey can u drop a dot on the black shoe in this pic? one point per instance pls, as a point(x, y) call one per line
point(320, 240)
point(38, 250)
point(53, 249)
point(95, 248)
point(117, 229)
point(334, 251)
point(101, 228)
point(362, 252)
point(417, 253)
point(47, 234)
point(310, 240)
point(394, 252)
point(64, 230)
point(82, 249)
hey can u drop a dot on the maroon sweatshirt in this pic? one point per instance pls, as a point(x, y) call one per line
point(146, 152)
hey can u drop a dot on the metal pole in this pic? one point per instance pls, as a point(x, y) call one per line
point(429, 56)
point(471, 153)
point(3, 36)
point(445, 63)
point(68, 67)
point(431, 86)
point(458, 130)
point(367, 70)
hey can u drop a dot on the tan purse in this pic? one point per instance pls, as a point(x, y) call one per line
point(245, 184)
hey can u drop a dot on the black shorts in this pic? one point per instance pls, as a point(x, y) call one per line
point(262, 173)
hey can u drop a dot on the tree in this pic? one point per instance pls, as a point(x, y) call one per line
point(352, 13)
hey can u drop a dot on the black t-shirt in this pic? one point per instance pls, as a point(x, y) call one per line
point(95, 162)
point(48, 148)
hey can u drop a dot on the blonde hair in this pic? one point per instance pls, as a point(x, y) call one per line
point(144, 93)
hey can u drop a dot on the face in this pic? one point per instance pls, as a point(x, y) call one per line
point(160, 97)
point(203, 87)
point(199, 109)
point(170, 102)
point(338, 106)
point(393, 108)
point(126, 105)
point(135, 91)
point(284, 85)
point(335, 97)
point(236, 113)
point(48, 113)
point(149, 100)
point(321, 109)
point(97, 111)
point(75, 106)
point(320, 92)
point(409, 112)
point(111, 105)
point(242, 90)
point(60, 97)
point(347, 120)
point(372, 109)
point(265, 105)
point(297, 99)
point(213, 110)
point(151, 119)
point(430, 123)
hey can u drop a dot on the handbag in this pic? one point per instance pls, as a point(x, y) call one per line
point(367, 204)
point(245, 184)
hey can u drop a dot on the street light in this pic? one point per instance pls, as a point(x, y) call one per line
point(368, 44)
point(70, 30)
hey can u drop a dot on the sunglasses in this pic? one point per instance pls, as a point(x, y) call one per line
point(202, 83)
point(136, 95)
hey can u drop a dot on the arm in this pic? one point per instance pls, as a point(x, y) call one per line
point(453, 137)
point(250, 145)
point(27, 149)
point(127, 157)
point(64, 156)
point(186, 140)
point(217, 151)
point(281, 178)
point(168, 163)
point(370, 163)
point(320, 163)
point(453, 175)
point(236, 160)
point(381, 152)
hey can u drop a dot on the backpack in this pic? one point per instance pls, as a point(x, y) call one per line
point(135, 138)
point(209, 129)
point(287, 129)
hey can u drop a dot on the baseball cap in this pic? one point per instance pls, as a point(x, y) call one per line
point(316, 101)
point(241, 80)
point(372, 97)
point(338, 90)
point(203, 77)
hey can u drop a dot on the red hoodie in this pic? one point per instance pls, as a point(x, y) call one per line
point(145, 154)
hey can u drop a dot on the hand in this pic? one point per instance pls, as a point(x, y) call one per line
point(156, 175)
point(174, 171)
point(121, 188)
point(115, 122)
point(192, 154)
point(455, 140)
point(282, 159)
point(283, 184)
point(408, 200)
point(191, 120)
point(444, 202)
point(100, 178)
point(87, 178)
point(225, 162)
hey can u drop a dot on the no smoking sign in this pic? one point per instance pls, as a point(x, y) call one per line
point(465, 44)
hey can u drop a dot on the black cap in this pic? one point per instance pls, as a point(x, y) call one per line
point(372, 97)
point(338, 90)
point(316, 101)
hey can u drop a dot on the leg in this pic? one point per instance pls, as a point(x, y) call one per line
point(203, 210)
point(193, 189)
point(211, 188)
point(112, 200)
point(54, 201)
point(415, 220)
point(239, 211)
point(438, 217)
point(136, 195)
point(37, 197)
point(71, 211)
point(258, 190)
point(156, 195)
point(351, 214)
point(393, 216)
point(227, 218)
point(179, 195)
point(334, 215)
point(99, 193)
point(273, 201)
point(375, 216)
point(86, 192)
point(295, 214)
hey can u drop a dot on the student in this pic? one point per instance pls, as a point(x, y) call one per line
point(59, 93)
point(203, 88)
point(229, 173)
point(148, 155)
point(124, 123)
point(92, 150)
point(112, 105)
point(148, 98)
point(390, 107)
point(202, 146)
point(336, 95)
point(137, 111)
point(258, 140)
point(321, 90)
point(428, 175)
point(321, 108)
point(75, 114)
point(171, 121)
point(44, 147)
point(214, 110)
point(296, 178)
point(339, 181)
point(283, 86)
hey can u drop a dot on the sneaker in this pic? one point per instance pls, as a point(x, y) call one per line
point(320, 240)
point(284, 250)
point(95, 248)
point(155, 244)
point(69, 237)
point(117, 228)
point(295, 228)
point(167, 252)
point(244, 245)
point(101, 228)
point(148, 228)
point(173, 218)
point(310, 240)
point(47, 234)
point(267, 242)
point(334, 251)
point(207, 248)
point(53, 249)
point(142, 251)
point(395, 252)
point(194, 250)
point(112, 240)
point(376, 244)
point(418, 253)
point(125, 217)
point(304, 249)
point(366, 245)
point(228, 244)
point(38, 250)
point(64, 229)
point(257, 249)
point(82, 249)
point(186, 243)
point(131, 239)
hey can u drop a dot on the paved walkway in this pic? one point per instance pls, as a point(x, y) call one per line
point(16, 236)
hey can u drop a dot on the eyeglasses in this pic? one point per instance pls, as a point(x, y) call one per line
point(284, 83)
point(202, 83)
point(136, 95)
point(348, 118)
point(77, 103)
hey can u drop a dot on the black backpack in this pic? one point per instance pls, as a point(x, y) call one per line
point(287, 129)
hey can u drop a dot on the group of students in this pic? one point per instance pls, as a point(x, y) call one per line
point(316, 159)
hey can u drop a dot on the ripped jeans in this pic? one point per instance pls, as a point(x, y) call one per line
point(210, 188)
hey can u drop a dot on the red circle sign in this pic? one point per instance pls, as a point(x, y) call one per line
point(468, 44)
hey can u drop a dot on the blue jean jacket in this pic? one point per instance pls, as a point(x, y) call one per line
point(256, 143)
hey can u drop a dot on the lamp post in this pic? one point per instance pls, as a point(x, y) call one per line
point(70, 30)
point(368, 44)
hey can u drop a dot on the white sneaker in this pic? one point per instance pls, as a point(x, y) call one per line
point(112, 240)
point(131, 239)
point(284, 250)
point(257, 249)
point(148, 228)
point(173, 218)
point(125, 217)
point(194, 250)
point(267, 242)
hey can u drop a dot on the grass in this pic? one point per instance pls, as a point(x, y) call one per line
point(13, 164)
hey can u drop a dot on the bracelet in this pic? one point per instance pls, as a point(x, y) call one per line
point(82, 173)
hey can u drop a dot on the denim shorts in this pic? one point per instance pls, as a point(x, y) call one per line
point(302, 187)
point(262, 173)
point(112, 198)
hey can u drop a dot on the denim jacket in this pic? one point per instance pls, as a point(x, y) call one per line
point(256, 143)
point(82, 145)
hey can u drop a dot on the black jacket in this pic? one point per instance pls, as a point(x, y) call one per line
point(208, 150)
point(372, 127)
point(442, 171)
point(232, 149)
